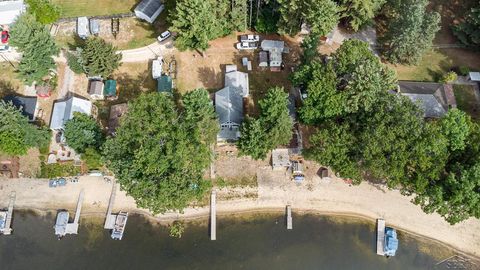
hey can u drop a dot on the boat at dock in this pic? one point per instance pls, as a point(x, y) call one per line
point(61, 224)
point(3, 220)
point(387, 241)
point(119, 227)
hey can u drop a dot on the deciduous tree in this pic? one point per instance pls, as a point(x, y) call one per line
point(468, 31)
point(44, 11)
point(82, 132)
point(154, 155)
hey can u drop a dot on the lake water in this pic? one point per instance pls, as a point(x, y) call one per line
point(243, 242)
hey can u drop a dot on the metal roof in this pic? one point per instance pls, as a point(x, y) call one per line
point(26, 104)
point(237, 79)
point(148, 7)
point(95, 88)
point(474, 76)
point(110, 89)
point(63, 111)
point(164, 84)
point(229, 105)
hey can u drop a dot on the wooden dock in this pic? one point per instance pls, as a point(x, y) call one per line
point(289, 218)
point(72, 228)
point(213, 217)
point(110, 219)
point(8, 223)
point(380, 236)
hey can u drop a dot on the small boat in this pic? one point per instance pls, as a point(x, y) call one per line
point(119, 227)
point(391, 242)
point(61, 224)
point(3, 220)
point(157, 68)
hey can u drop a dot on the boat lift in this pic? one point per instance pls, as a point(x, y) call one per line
point(62, 227)
point(116, 223)
point(6, 216)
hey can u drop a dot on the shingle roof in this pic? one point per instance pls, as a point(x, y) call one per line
point(432, 98)
point(26, 104)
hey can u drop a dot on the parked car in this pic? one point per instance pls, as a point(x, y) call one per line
point(163, 36)
point(247, 45)
point(5, 36)
point(249, 38)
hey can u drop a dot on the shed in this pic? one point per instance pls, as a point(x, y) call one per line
point(94, 26)
point(27, 105)
point(149, 10)
point(110, 89)
point(95, 89)
point(474, 76)
point(63, 111)
point(82, 27)
point(263, 59)
point(280, 159)
point(10, 11)
point(116, 112)
point(164, 84)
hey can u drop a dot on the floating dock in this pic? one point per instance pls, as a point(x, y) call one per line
point(380, 236)
point(6, 216)
point(116, 223)
point(289, 218)
point(62, 227)
point(213, 217)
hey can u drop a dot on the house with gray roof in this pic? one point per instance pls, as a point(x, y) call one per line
point(63, 111)
point(229, 104)
point(149, 10)
point(435, 99)
point(275, 49)
point(27, 105)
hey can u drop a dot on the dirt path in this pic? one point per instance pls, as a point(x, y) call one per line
point(274, 192)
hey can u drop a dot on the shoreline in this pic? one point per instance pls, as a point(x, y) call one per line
point(190, 218)
point(334, 198)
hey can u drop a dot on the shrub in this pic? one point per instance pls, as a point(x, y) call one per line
point(464, 70)
point(177, 229)
point(449, 77)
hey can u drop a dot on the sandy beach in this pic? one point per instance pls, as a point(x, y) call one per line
point(274, 193)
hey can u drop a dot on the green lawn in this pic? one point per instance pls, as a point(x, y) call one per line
point(466, 100)
point(75, 8)
point(9, 82)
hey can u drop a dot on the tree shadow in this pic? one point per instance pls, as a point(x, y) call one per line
point(210, 78)
point(6, 88)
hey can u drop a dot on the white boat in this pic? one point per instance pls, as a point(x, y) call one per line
point(61, 224)
point(157, 66)
point(119, 227)
point(3, 220)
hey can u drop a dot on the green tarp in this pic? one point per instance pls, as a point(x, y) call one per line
point(110, 89)
point(164, 84)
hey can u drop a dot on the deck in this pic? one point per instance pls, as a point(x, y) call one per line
point(380, 236)
point(8, 223)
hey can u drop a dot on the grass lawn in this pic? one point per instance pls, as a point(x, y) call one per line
point(8, 81)
point(75, 8)
point(466, 100)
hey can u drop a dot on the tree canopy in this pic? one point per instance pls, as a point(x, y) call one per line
point(34, 41)
point(199, 21)
point(17, 135)
point(366, 131)
point(160, 152)
point(410, 31)
point(82, 132)
point(320, 15)
point(468, 31)
point(99, 57)
point(271, 129)
point(44, 11)
point(357, 13)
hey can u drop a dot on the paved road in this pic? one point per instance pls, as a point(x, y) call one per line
point(143, 54)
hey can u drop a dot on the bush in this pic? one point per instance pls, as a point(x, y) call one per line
point(449, 77)
point(464, 70)
point(75, 62)
point(177, 229)
point(45, 11)
point(92, 158)
point(58, 170)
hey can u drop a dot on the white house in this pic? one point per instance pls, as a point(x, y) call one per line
point(63, 111)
